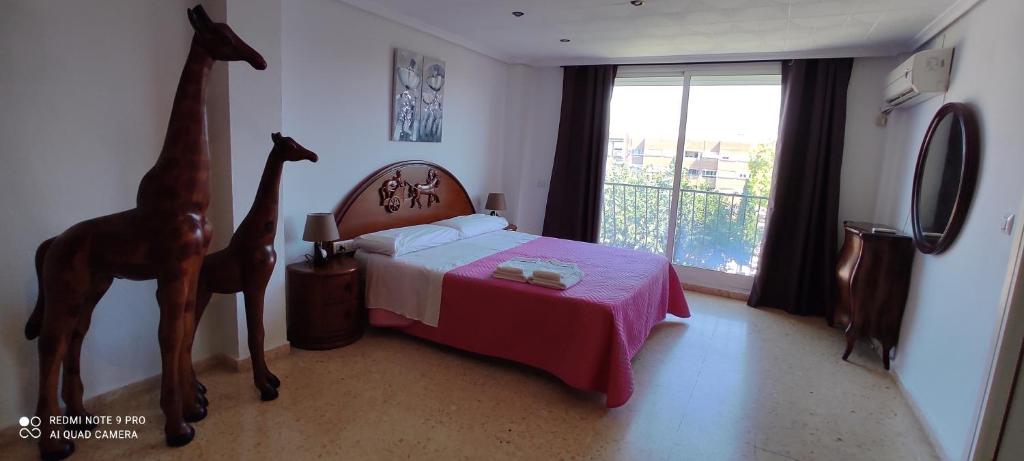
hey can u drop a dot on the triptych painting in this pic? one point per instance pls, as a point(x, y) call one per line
point(418, 110)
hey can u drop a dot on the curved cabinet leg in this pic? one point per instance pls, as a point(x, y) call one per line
point(851, 339)
point(886, 349)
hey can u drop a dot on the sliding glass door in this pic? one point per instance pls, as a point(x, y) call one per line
point(642, 146)
point(691, 151)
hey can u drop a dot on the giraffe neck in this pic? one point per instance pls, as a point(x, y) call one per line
point(181, 172)
point(260, 225)
point(188, 113)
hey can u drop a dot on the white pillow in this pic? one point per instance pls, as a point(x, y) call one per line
point(474, 224)
point(402, 240)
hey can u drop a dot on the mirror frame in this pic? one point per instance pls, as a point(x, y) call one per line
point(963, 116)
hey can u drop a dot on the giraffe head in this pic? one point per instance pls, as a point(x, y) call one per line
point(287, 150)
point(220, 41)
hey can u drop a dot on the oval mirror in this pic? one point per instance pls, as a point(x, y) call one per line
point(944, 178)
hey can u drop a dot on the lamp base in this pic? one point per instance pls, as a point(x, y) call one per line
point(319, 255)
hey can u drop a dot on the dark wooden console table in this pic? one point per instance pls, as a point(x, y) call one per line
point(873, 278)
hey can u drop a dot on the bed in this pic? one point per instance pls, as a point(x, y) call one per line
point(586, 335)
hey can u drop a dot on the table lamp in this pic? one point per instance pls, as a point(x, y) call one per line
point(495, 202)
point(320, 227)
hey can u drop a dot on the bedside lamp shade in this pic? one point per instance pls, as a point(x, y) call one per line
point(320, 227)
point(495, 201)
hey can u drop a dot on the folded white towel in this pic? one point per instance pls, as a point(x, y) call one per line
point(509, 269)
point(517, 266)
point(556, 274)
point(515, 278)
point(564, 284)
point(555, 270)
point(546, 274)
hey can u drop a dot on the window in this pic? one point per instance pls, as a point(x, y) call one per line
point(700, 194)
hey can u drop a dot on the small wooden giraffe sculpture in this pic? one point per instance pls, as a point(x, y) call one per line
point(247, 263)
point(164, 238)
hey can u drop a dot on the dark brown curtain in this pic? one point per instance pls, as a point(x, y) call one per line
point(798, 259)
point(574, 198)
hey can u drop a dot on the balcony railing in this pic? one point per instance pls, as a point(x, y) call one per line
point(713, 230)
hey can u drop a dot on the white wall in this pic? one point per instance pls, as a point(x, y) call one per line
point(255, 106)
point(222, 308)
point(953, 308)
point(336, 89)
point(863, 151)
point(87, 89)
point(533, 116)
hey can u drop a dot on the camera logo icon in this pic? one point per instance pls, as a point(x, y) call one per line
point(30, 427)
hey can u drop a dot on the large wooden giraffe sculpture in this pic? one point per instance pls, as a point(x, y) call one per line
point(164, 238)
point(247, 263)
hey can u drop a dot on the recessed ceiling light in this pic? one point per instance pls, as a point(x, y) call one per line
point(518, 14)
point(637, 2)
point(565, 40)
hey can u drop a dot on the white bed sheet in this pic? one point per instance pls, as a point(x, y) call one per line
point(410, 285)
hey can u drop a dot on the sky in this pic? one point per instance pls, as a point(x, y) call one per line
point(716, 113)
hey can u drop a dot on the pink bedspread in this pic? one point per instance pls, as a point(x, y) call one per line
point(586, 335)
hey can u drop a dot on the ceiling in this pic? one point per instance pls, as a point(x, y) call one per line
point(615, 31)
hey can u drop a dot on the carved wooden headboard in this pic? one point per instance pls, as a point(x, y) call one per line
point(402, 194)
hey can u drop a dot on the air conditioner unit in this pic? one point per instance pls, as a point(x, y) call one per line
point(924, 75)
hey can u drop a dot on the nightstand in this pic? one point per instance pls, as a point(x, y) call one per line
point(324, 305)
point(511, 227)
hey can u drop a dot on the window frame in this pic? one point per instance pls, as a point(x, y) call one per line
point(762, 72)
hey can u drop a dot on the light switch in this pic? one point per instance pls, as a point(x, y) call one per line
point(1008, 224)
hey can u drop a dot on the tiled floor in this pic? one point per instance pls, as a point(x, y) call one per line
point(731, 383)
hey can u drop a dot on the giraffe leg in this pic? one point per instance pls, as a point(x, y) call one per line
point(192, 407)
point(254, 325)
point(202, 300)
point(73, 389)
point(272, 379)
point(66, 289)
point(172, 295)
point(58, 324)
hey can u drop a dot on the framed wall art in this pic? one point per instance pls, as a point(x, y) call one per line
point(418, 97)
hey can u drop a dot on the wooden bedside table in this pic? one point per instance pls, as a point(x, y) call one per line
point(324, 305)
